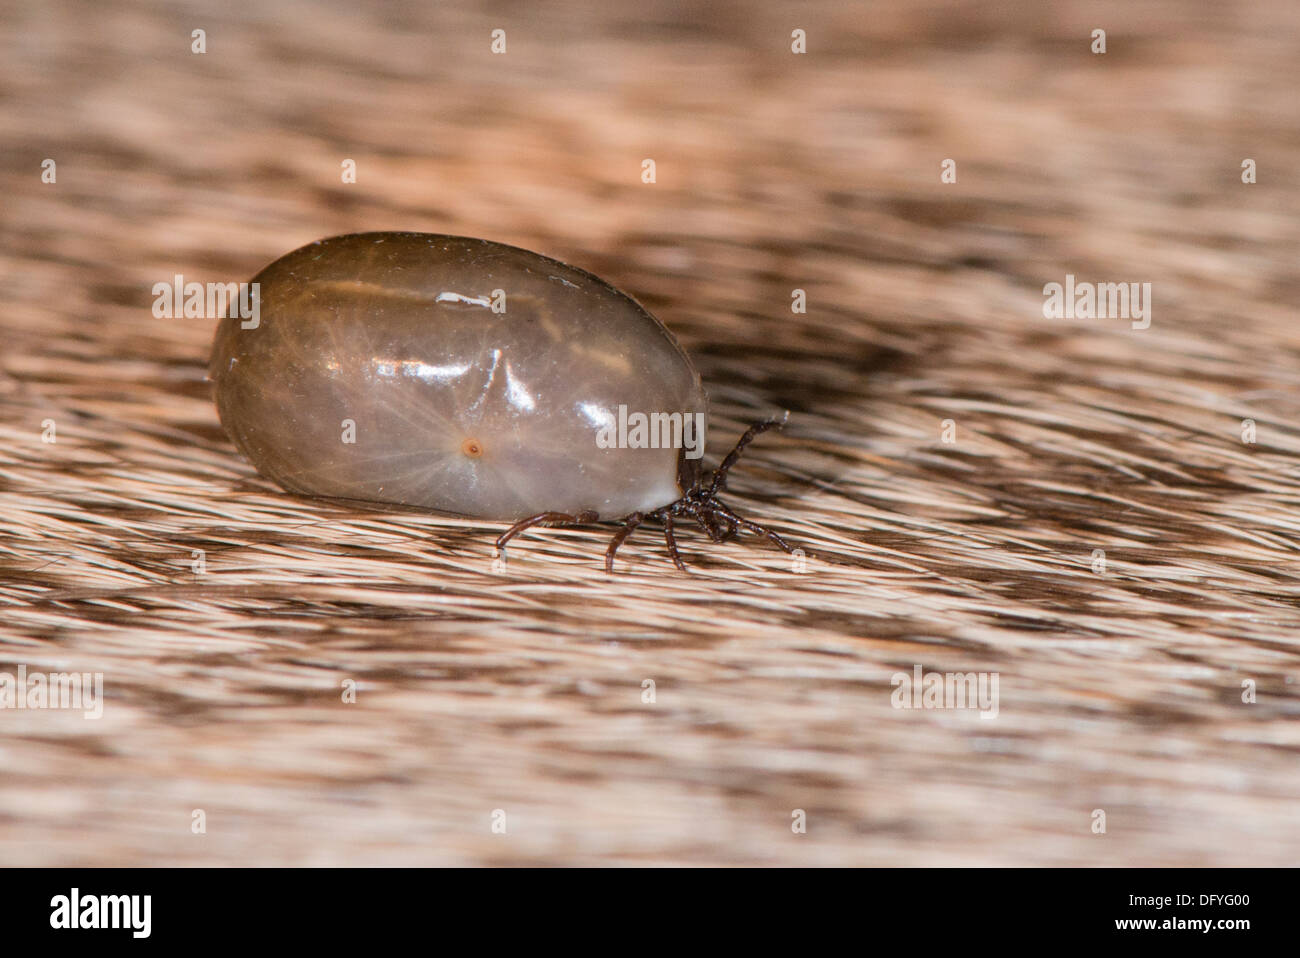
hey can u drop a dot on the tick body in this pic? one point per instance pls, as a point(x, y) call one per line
point(468, 377)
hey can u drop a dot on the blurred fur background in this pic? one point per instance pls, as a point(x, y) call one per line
point(521, 689)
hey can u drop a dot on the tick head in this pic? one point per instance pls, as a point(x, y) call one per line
point(688, 473)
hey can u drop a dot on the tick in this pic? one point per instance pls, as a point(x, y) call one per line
point(470, 377)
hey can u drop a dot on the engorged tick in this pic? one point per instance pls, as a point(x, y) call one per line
point(474, 378)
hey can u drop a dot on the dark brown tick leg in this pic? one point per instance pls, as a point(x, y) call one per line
point(720, 474)
point(631, 522)
point(544, 518)
point(699, 501)
point(672, 543)
point(753, 527)
point(708, 519)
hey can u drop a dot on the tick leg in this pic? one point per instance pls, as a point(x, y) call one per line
point(543, 518)
point(630, 523)
point(672, 543)
point(707, 520)
point(720, 474)
point(753, 527)
point(714, 515)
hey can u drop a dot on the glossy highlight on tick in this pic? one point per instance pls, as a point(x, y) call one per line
point(468, 377)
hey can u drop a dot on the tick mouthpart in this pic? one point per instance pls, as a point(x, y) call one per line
point(699, 501)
